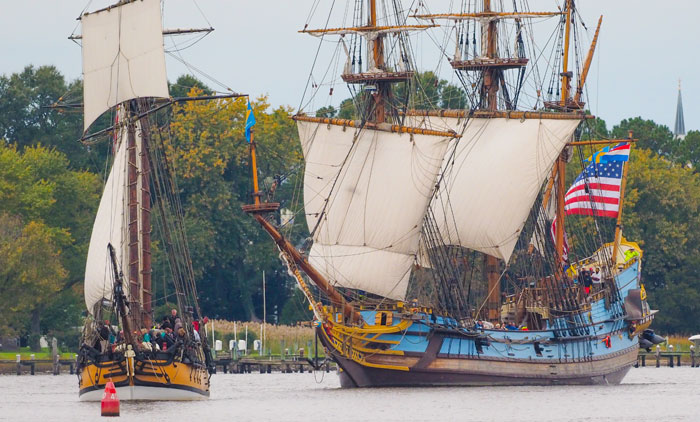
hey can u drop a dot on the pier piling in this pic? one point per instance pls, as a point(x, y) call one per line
point(658, 356)
point(692, 356)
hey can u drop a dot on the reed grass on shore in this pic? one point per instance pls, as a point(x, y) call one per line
point(277, 337)
point(25, 354)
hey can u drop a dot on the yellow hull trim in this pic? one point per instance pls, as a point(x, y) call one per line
point(155, 374)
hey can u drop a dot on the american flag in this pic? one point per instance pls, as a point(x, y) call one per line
point(596, 191)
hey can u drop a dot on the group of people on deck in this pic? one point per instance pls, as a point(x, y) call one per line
point(161, 337)
point(170, 332)
point(486, 325)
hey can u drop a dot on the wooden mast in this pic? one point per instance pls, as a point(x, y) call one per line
point(566, 75)
point(490, 94)
point(491, 74)
point(378, 59)
point(561, 161)
point(254, 165)
point(133, 222)
point(145, 215)
point(139, 219)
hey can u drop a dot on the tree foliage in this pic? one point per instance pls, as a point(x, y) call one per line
point(46, 213)
point(212, 161)
point(24, 284)
point(428, 91)
point(27, 119)
point(662, 212)
point(657, 138)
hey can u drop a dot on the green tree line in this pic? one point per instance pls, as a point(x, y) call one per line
point(50, 186)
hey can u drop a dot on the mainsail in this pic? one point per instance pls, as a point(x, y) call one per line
point(109, 227)
point(365, 194)
point(492, 176)
point(123, 56)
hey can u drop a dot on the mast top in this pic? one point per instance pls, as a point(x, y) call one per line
point(374, 74)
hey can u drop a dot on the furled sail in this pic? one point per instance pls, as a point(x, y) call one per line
point(365, 194)
point(492, 176)
point(109, 227)
point(123, 56)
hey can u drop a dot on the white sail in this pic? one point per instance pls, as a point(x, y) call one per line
point(109, 227)
point(492, 176)
point(370, 189)
point(123, 56)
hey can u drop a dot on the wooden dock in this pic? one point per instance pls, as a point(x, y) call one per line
point(669, 359)
point(30, 366)
point(269, 364)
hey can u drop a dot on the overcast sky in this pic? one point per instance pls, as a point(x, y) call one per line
point(644, 48)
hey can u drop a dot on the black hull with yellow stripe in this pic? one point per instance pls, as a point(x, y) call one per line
point(145, 376)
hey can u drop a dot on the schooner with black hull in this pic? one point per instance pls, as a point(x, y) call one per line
point(439, 250)
point(124, 74)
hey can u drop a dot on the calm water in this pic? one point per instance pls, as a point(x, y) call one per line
point(647, 394)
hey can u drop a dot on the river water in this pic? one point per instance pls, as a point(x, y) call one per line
point(647, 394)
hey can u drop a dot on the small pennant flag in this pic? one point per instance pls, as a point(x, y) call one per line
point(249, 122)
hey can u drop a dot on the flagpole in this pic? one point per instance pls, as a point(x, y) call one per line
point(253, 161)
point(618, 224)
point(254, 165)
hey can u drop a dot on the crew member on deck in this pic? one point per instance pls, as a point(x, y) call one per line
point(630, 253)
point(584, 278)
point(173, 316)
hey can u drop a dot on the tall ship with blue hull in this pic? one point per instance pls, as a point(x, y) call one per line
point(446, 246)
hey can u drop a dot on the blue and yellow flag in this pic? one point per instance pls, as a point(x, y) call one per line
point(249, 122)
point(619, 152)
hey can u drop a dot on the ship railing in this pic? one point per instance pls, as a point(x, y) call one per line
point(595, 261)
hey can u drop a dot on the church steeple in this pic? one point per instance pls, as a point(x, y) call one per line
point(679, 127)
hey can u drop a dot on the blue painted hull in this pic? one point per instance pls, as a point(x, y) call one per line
point(435, 351)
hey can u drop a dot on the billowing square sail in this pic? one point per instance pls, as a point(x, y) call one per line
point(123, 56)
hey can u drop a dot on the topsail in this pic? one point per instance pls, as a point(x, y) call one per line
point(123, 56)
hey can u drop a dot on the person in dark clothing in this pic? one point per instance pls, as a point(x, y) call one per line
point(168, 338)
point(173, 316)
point(160, 340)
point(166, 323)
point(104, 330)
point(586, 280)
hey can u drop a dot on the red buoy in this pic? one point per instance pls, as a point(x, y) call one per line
point(110, 402)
